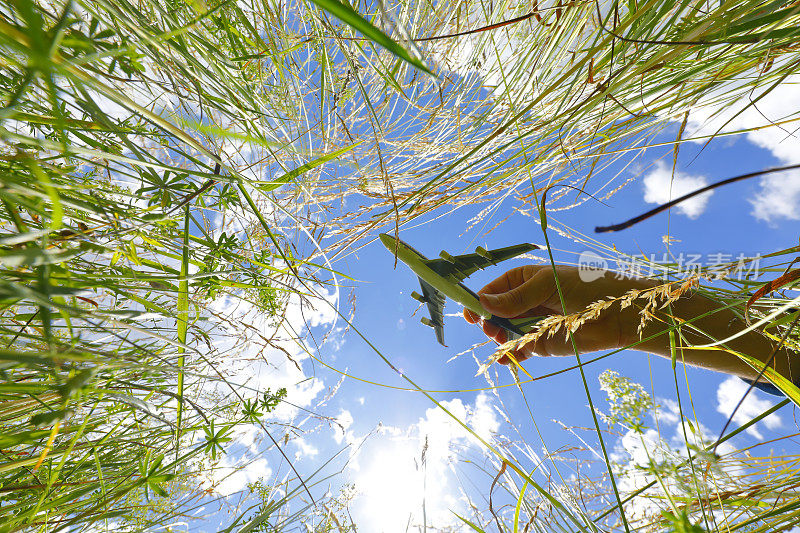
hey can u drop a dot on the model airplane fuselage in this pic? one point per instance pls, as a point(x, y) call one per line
point(440, 278)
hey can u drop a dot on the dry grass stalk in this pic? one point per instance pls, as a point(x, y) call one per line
point(657, 297)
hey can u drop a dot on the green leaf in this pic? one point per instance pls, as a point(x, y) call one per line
point(49, 418)
point(302, 169)
point(77, 382)
point(35, 257)
point(470, 524)
point(158, 489)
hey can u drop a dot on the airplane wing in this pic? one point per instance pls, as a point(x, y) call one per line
point(462, 266)
point(435, 301)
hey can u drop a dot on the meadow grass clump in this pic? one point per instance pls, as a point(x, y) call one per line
point(121, 225)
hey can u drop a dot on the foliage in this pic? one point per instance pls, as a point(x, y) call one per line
point(157, 157)
point(111, 255)
point(681, 523)
point(628, 401)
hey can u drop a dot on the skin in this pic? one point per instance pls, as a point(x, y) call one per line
point(531, 291)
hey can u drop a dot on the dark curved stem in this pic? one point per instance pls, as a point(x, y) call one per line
point(663, 207)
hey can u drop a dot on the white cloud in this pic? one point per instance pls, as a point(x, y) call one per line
point(669, 412)
point(341, 429)
point(731, 391)
point(400, 470)
point(248, 435)
point(779, 194)
point(483, 417)
point(779, 197)
point(660, 187)
point(230, 476)
point(304, 449)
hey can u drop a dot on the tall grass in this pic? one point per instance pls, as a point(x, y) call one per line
point(159, 156)
point(118, 188)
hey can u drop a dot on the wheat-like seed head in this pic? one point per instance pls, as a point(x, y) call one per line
point(657, 297)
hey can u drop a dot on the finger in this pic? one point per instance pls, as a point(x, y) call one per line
point(510, 279)
point(492, 330)
point(518, 300)
point(472, 318)
point(498, 334)
point(518, 355)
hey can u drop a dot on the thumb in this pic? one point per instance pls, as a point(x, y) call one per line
point(511, 303)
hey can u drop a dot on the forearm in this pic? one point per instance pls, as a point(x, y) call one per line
point(706, 321)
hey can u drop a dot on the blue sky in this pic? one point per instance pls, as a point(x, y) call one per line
point(385, 312)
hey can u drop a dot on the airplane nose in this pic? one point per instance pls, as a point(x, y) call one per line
point(387, 240)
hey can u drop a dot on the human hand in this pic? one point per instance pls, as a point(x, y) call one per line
point(531, 291)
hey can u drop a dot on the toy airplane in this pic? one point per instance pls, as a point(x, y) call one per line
point(442, 277)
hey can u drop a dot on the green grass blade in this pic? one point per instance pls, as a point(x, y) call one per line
point(183, 319)
point(350, 17)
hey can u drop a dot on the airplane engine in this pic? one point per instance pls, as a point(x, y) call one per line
point(483, 252)
point(428, 322)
